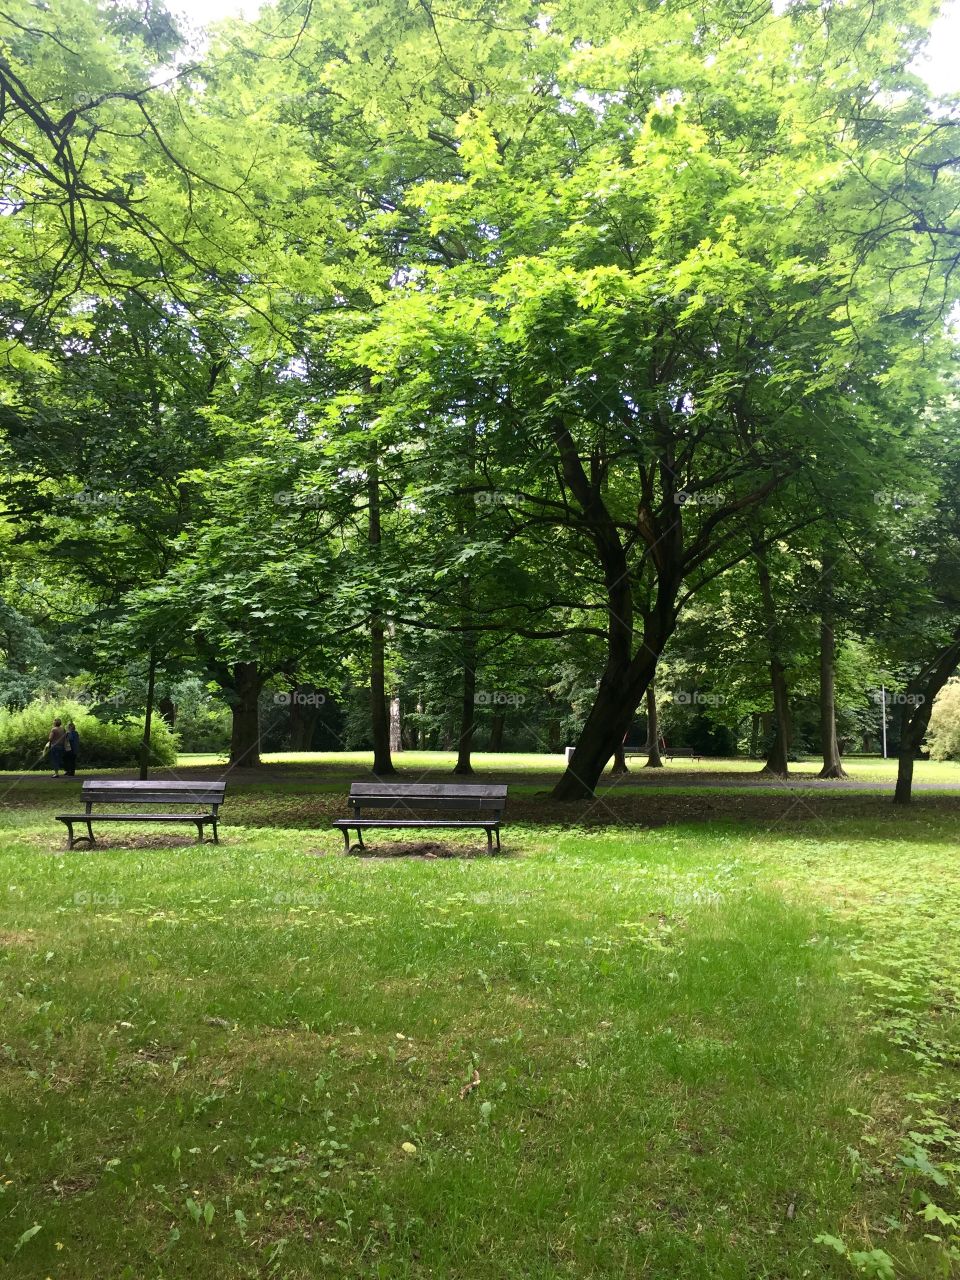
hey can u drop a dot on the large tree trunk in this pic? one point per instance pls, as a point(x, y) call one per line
point(244, 698)
point(468, 706)
point(148, 716)
point(654, 760)
point(623, 683)
point(754, 749)
point(379, 712)
point(923, 689)
point(496, 731)
point(777, 762)
point(621, 689)
point(619, 761)
point(168, 709)
point(832, 765)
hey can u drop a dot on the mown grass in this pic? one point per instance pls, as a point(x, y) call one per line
point(346, 763)
point(698, 1049)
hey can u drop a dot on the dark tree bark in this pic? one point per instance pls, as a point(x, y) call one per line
point(654, 760)
point(304, 714)
point(148, 716)
point(468, 706)
point(754, 734)
point(466, 523)
point(664, 566)
point(619, 767)
point(777, 762)
point(626, 674)
point(622, 687)
point(496, 731)
point(921, 693)
point(244, 698)
point(168, 709)
point(379, 713)
point(832, 764)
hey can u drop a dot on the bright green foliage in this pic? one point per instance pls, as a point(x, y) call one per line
point(103, 743)
point(943, 735)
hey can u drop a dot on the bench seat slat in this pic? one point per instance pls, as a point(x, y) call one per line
point(178, 801)
point(135, 817)
point(354, 823)
point(153, 784)
point(430, 790)
point(444, 804)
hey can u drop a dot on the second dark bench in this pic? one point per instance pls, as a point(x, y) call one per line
point(484, 805)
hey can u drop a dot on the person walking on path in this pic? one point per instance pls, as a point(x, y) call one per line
point(55, 743)
point(71, 745)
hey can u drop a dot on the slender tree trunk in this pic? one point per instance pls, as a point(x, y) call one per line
point(466, 523)
point(168, 709)
point(923, 691)
point(379, 713)
point(777, 761)
point(468, 707)
point(654, 760)
point(303, 717)
point(245, 707)
point(496, 731)
point(754, 734)
point(148, 716)
point(778, 757)
point(832, 764)
point(396, 725)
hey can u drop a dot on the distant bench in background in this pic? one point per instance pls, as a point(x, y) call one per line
point(404, 800)
point(208, 794)
point(669, 753)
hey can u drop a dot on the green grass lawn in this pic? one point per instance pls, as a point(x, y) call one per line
point(860, 768)
point(697, 1048)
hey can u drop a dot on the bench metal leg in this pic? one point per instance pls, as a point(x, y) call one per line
point(216, 837)
point(345, 832)
point(498, 839)
point(489, 840)
point(72, 839)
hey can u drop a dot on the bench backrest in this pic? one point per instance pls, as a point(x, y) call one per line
point(447, 796)
point(194, 793)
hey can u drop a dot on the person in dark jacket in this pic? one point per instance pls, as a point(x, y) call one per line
point(71, 745)
point(55, 741)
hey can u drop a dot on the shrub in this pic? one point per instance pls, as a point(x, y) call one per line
point(943, 735)
point(103, 744)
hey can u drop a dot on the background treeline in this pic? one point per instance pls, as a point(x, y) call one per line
point(382, 375)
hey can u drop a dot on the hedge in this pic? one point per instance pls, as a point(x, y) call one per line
point(103, 744)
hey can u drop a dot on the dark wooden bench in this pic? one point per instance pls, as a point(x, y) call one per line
point(209, 794)
point(669, 753)
point(406, 802)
